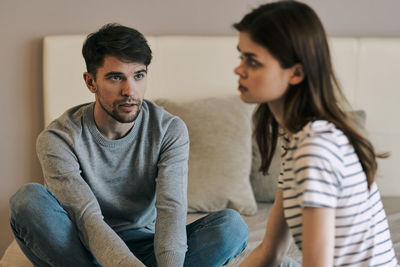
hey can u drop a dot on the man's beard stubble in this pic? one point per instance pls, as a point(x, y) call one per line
point(114, 113)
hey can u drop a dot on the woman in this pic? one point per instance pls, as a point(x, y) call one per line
point(327, 198)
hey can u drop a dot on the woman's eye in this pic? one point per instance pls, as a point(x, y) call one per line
point(252, 63)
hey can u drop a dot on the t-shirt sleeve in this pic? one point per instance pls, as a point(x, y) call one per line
point(316, 164)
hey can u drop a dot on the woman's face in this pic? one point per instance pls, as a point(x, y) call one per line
point(261, 77)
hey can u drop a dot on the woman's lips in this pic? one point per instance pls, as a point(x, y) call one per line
point(242, 88)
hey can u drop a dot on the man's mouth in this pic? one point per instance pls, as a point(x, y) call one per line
point(127, 107)
point(127, 104)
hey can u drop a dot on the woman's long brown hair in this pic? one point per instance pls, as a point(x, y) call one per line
point(292, 32)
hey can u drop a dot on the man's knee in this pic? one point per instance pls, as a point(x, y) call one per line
point(26, 200)
point(234, 226)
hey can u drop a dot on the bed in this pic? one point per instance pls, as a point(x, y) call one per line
point(192, 77)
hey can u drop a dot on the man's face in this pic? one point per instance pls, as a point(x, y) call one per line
point(119, 88)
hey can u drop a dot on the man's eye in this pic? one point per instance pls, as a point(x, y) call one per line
point(139, 76)
point(116, 78)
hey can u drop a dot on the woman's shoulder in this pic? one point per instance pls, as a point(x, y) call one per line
point(321, 136)
point(320, 130)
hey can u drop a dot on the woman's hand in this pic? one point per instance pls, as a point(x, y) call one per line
point(276, 240)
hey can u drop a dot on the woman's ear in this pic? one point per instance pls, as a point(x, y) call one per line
point(90, 82)
point(297, 74)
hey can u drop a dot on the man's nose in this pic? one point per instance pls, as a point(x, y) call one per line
point(129, 88)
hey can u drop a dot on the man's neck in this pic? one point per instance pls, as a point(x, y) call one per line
point(111, 128)
point(115, 132)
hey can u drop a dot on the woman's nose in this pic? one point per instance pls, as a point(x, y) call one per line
point(239, 70)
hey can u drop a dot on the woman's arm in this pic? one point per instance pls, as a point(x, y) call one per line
point(276, 240)
point(318, 236)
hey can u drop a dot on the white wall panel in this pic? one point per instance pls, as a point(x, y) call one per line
point(63, 67)
point(194, 67)
point(344, 54)
point(378, 90)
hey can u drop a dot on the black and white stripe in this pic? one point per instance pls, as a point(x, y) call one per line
point(321, 169)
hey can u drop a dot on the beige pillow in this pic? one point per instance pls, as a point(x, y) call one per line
point(220, 153)
point(265, 186)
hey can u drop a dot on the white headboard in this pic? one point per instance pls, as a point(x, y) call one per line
point(193, 67)
point(183, 68)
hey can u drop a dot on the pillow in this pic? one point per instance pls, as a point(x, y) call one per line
point(220, 153)
point(360, 118)
point(265, 186)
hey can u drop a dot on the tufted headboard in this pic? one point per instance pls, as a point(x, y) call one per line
point(186, 68)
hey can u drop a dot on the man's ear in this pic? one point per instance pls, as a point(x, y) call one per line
point(90, 82)
point(297, 74)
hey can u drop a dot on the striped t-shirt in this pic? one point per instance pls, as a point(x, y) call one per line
point(321, 169)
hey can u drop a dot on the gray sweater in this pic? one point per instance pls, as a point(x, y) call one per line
point(138, 181)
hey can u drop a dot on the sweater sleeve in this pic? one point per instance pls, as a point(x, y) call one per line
point(62, 176)
point(171, 189)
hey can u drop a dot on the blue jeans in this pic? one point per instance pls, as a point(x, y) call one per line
point(48, 237)
point(288, 262)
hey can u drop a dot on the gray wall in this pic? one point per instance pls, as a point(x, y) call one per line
point(23, 24)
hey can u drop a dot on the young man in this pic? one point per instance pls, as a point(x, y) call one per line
point(116, 176)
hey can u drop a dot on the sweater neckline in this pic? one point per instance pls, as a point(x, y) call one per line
point(101, 139)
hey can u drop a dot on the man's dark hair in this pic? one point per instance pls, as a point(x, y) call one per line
point(115, 40)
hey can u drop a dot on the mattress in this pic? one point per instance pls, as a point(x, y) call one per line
point(257, 224)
